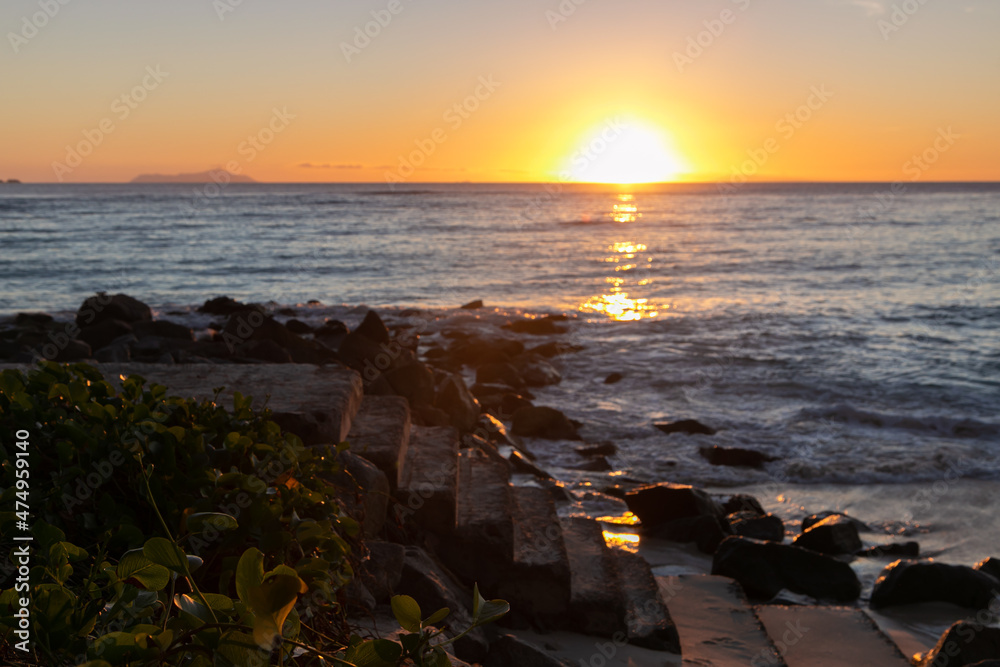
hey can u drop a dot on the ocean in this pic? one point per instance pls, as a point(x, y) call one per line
point(849, 330)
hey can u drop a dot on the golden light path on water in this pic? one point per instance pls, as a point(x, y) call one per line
point(620, 301)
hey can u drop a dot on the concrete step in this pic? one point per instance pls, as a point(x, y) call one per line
point(540, 579)
point(317, 403)
point(828, 636)
point(428, 480)
point(716, 624)
point(646, 615)
point(483, 546)
point(597, 606)
point(380, 433)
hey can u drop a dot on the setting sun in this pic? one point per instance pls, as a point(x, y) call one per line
point(625, 152)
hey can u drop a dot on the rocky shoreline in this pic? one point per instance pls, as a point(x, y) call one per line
point(469, 397)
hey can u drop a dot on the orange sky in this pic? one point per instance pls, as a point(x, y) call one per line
point(288, 92)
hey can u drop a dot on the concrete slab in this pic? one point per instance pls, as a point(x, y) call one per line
point(380, 432)
point(647, 617)
point(597, 606)
point(483, 547)
point(716, 624)
point(428, 480)
point(828, 637)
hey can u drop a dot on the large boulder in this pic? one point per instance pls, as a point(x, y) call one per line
point(163, 329)
point(965, 644)
point(813, 519)
point(537, 372)
point(834, 535)
point(543, 422)
point(766, 527)
point(382, 571)
point(689, 426)
point(990, 566)
point(706, 532)
point(103, 307)
point(373, 328)
point(103, 333)
point(765, 568)
point(499, 373)
point(364, 491)
point(414, 381)
point(455, 399)
point(660, 503)
point(910, 582)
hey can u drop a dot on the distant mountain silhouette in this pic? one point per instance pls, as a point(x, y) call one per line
point(200, 177)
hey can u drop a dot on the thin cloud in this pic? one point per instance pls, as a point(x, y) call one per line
point(871, 7)
point(327, 165)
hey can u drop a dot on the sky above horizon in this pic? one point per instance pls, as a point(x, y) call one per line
point(524, 90)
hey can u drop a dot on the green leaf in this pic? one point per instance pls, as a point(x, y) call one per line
point(134, 568)
point(436, 617)
point(240, 648)
point(271, 603)
point(407, 612)
point(163, 552)
point(375, 653)
point(188, 604)
point(205, 521)
point(249, 573)
point(484, 612)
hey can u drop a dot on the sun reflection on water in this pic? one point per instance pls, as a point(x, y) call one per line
point(624, 541)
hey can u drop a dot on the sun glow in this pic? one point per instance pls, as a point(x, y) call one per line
point(625, 152)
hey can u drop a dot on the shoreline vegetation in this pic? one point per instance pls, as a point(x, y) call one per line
point(358, 483)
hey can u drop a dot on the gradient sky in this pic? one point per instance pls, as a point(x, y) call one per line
point(559, 86)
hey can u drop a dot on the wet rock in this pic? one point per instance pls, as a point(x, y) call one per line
point(706, 532)
point(33, 320)
point(475, 351)
point(990, 566)
point(454, 398)
point(813, 519)
point(605, 449)
point(765, 527)
point(414, 381)
point(511, 403)
point(222, 305)
point(371, 358)
point(73, 350)
point(499, 373)
point(523, 465)
point(163, 329)
point(555, 349)
point(97, 309)
point(909, 582)
point(537, 373)
point(735, 457)
point(267, 351)
point(965, 643)
point(660, 503)
point(103, 333)
point(508, 651)
point(597, 464)
point(473, 305)
point(543, 422)
point(298, 327)
point(537, 327)
point(834, 535)
point(742, 502)
point(332, 328)
point(905, 550)
point(689, 426)
point(765, 568)
point(373, 328)
point(383, 569)
point(614, 378)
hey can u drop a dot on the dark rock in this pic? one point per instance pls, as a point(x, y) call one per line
point(605, 449)
point(473, 305)
point(742, 502)
point(266, 350)
point(685, 426)
point(750, 524)
point(543, 422)
point(370, 358)
point(597, 464)
point(414, 381)
point(33, 320)
point(990, 566)
point(508, 651)
point(163, 329)
point(478, 351)
point(382, 571)
point(434, 587)
point(735, 457)
point(647, 617)
point(499, 373)
point(253, 325)
point(298, 327)
point(909, 582)
point(426, 415)
point(660, 503)
point(523, 465)
point(222, 305)
point(614, 378)
point(813, 519)
point(536, 327)
point(834, 535)
point(707, 532)
point(765, 568)
point(119, 351)
point(454, 398)
point(906, 550)
point(511, 403)
point(373, 328)
point(97, 309)
point(358, 598)
point(965, 643)
point(332, 328)
point(363, 490)
point(555, 349)
point(537, 373)
point(73, 350)
point(103, 333)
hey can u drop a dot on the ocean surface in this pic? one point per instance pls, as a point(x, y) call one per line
point(849, 330)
